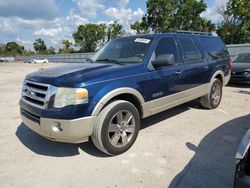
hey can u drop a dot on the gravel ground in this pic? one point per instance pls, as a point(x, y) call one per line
point(186, 146)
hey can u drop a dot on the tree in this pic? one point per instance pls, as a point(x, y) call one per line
point(160, 14)
point(114, 31)
point(207, 26)
point(51, 50)
point(89, 36)
point(170, 15)
point(2, 49)
point(232, 29)
point(66, 44)
point(187, 15)
point(67, 47)
point(141, 27)
point(28, 52)
point(40, 46)
point(240, 11)
point(12, 48)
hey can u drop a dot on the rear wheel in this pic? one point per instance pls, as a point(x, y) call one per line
point(117, 127)
point(213, 98)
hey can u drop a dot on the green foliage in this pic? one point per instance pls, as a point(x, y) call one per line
point(89, 36)
point(51, 50)
point(170, 15)
point(66, 44)
point(67, 47)
point(11, 49)
point(114, 31)
point(240, 10)
point(40, 46)
point(207, 26)
point(160, 14)
point(234, 28)
point(141, 27)
point(28, 52)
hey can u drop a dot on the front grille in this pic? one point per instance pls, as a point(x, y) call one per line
point(237, 73)
point(37, 94)
point(30, 116)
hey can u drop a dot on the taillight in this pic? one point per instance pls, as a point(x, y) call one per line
point(229, 63)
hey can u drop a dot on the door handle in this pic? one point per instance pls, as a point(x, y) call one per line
point(205, 66)
point(178, 73)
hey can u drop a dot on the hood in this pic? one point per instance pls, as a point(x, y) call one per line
point(240, 67)
point(74, 74)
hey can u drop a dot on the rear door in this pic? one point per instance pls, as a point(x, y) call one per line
point(195, 66)
point(216, 54)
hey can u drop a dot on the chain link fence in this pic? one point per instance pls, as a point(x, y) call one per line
point(233, 50)
point(58, 58)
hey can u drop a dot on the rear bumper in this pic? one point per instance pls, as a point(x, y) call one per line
point(69, 131)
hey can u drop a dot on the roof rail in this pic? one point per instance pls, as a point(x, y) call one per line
point(193, 32)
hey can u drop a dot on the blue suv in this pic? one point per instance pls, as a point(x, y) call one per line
point(128, 79)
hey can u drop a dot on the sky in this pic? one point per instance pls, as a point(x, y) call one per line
point(24, 21)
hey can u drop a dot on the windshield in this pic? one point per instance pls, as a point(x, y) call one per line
point(124, 50)
point(242, 58)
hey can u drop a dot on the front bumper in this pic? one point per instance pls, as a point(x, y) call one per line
point(69, 131)
point(240, 79)
point(242, 176)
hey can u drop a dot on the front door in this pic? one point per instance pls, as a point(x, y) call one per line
point(167, 81)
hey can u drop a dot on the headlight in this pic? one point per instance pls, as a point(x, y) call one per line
point(70, 96)
point(246, 72)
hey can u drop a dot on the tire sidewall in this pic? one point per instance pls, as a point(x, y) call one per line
point(105, 126)
point(216, 81)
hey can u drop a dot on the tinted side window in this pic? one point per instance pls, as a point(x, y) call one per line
point(189, 49)
point(167, 46)
point(215, 48)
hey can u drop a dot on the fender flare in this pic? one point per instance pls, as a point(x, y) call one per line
point(114, 93)
point(218, 72)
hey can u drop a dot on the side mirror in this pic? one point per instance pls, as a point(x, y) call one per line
point(164, 60)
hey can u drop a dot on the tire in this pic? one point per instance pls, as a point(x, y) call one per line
point(213, 98)
point(113, 136)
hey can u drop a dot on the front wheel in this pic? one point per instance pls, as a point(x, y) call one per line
point(213, 98)
point(117, 127)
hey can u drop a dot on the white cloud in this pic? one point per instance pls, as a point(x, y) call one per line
point(74, 19)
point(123, 3)
point(88, 9)
point(48, 32)
point(28, 20)
point(23, 42)
point(29, 9)
point(124, 16)
point(211, 12)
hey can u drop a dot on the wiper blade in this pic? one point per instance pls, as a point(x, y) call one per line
point(111, 60)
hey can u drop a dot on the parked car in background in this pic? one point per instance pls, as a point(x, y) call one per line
point(130, 78)
point(241, 69)
point(38, 61)
point(242, 172)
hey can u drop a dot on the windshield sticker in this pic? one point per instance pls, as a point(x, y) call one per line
point(142, 40)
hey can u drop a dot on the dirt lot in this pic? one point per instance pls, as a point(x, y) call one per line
point(183, 147)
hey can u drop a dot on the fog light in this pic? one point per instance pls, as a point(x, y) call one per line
point(57, 127)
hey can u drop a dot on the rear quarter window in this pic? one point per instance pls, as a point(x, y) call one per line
point(215, 48)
